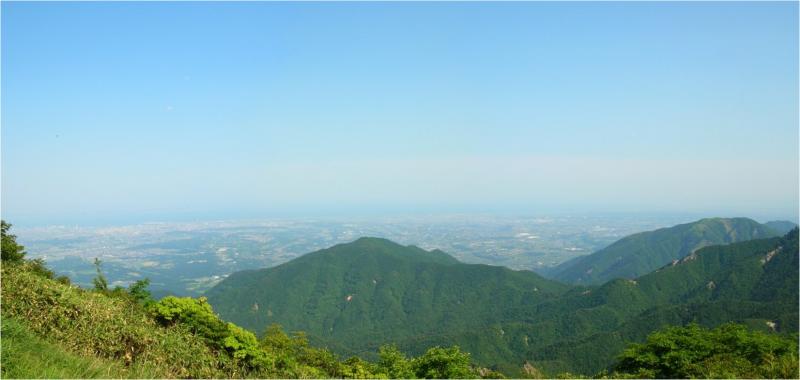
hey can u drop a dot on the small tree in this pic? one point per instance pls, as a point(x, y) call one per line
point(39, 267)
point(275, 339)
point(11, 251)
point(357, 368)
point(139, 292)
point(728, 351)
point(443, 363)
point(195, 313)
point(100, 282)
point(394, 363)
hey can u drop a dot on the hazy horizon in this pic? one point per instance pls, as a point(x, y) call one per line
point(343, 214)
point(136, 112)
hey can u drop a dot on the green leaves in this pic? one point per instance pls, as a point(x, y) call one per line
point(100, 282)
point(729, 351)
point(357, 296)
point(99, 325)
point(139, 292)
point(394, 363)
point(183, 337)
point(443, 363)
point(11, 251)
point(193, 313)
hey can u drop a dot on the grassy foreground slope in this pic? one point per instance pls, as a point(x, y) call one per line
point(26, 356)
point(93, 325)
point(642, 253)
point(363, 294)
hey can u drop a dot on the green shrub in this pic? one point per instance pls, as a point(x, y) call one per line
point(93, 325)
point(322, 360)
point(196, 314)
point(241, 345)
point(39, 267)
point(728, 351)
point(139, 292)
point(100, 283)
point(394, 363)
point(357, 368)
point(11, 251)
point(293, 357)
point(443, 363)
point(276, 340)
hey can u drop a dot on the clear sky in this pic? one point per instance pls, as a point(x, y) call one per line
point(157, 111)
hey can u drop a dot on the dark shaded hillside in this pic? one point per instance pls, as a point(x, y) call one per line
point(753, 282)
point(781, 226)
point(644, 252)
point(372, 291)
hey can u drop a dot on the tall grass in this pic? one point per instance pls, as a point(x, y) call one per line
point(26, 356)
point(92, 325)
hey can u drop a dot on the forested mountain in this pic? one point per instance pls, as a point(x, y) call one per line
point(354, 297)
point(644, 252)
point(514, 321)
point(54, 329)
point(752, 282)
point(781, 226)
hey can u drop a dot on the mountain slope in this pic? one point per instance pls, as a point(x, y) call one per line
point(753, 282)
point(644, 252)
point(781, 226)
point(92, 325)
point(26, 356)
point(52, 329)
point(373, 291)
point(354, 298)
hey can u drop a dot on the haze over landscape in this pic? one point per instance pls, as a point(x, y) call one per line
point(400, 190)
point(299, 109)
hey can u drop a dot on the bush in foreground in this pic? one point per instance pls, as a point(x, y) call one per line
point(728, 351)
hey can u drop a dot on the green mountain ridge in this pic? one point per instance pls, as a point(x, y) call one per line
point(54, 329)
point(354, 297)
point(641, 253)
point(377, 287)
point(513, 321)
point(781, 226)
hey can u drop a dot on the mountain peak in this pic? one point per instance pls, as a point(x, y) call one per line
point(372, 240)
point(381, 247)
point(739, 219)
point(781, 226)
point(356, 296)
point(641, 253)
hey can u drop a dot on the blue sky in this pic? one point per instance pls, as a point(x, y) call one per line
point(147, 111)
